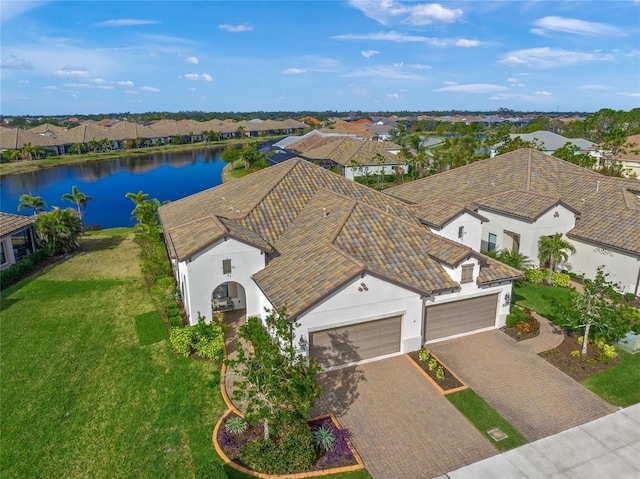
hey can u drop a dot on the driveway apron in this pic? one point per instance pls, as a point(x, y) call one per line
point(402, 427)
point(535, 397)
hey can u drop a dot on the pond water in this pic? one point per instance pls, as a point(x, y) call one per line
point(166, 176)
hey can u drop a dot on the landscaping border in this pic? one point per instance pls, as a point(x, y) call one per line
point(434, 383)
point(231, 409)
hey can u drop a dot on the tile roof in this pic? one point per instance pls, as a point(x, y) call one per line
point(608, 214)
point(346, 150)
point(440, 212)
point(322, 229)
point(10, 223)
point(523, 204)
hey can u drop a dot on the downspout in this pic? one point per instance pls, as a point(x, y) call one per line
point(638, 279)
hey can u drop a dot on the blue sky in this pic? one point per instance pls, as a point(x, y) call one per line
point(91, 57)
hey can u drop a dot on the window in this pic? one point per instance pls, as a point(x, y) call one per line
point(467, 273)
point(491, 245)
point(460, 232)
point(226, 266)
point(3, 256)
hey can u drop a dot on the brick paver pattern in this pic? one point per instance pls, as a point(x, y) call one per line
point(402, 427)
point(535, 397)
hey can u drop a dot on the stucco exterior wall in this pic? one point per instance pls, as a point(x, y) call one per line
point(530, 233)
point(472, 233)
point(203, 273)
point(623, 268)
point(351, 172)
point(381, 300)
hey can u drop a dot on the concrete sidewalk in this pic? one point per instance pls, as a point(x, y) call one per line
point(608, 447)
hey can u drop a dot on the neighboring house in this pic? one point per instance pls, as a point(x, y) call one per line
point(527, 194)
point(358, 271)
point(629, 159)
point(549, 141)
point(17, 238)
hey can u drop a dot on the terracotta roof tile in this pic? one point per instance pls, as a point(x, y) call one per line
point(10, 223)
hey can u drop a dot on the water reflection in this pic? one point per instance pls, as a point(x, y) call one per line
point(166, 176)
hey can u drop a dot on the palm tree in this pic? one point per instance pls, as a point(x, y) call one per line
point(34, 202)
point(13, 155)
point(79, 198)
point(514, 258)
point(28, 150)
point(554, 249)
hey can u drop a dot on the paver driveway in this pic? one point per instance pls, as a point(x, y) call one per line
point(402, 427)
point(534, 396)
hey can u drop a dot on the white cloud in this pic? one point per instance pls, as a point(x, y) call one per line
point(11, 10)
point(464, 43)
point(98, 81)
point(392, 36)
point(473, 88)
point(198, 77)
point(50, 88)
point(78, 85)
point(393, 95)
point(394, 72)
point(192, 60)
point(543, 93)
point(419, 66)
point(23, 82)
point(546, 57)
point(123, 83)
point(12, 62)
point(385, 11)
point(72, 72)
point(131, 92)
point(575, 26)
point(128, 22)
point(515, 82)
point(450, 83)
point(593, 87)
point(191, 89)
point(358, 90)
point(106, 87)
point(634, 94)
point(236, 28)
point(149, 88)
point(294, 71)
point(369, 53)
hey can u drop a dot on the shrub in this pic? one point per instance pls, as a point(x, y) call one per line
point(340, 454)
point(182, 340)
point(516, 316)
point(22, 268)
point(424, 355)
point(323, 438)
point(440, 373)
point(630, 297)
point(236, 425)
point(575, 353)
point(560, 280)
point(432, 364)
point(606, 354)
point(534, 276)
point(210, 348)
point(173, 315)
point(291, 450)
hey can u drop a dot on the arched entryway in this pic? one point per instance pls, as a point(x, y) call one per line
point(229, 296)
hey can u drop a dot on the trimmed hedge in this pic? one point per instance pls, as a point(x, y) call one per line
point(534, 276)
point(21, 269)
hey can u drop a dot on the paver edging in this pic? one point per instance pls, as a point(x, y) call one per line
point(434, 383)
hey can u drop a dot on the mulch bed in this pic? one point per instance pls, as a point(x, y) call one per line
point(577, 367)
point(339, 455)
point(513, 332)
point(449, 382)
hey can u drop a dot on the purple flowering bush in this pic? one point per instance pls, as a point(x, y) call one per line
point(339, 454)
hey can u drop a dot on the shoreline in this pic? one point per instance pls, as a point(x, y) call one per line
point(27, 166)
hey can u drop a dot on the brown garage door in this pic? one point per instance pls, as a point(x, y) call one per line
point(458, 317)
point(332, 347)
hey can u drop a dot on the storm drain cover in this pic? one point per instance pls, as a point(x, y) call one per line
point(497, 435)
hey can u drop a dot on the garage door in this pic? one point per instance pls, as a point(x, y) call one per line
point(459, 317)
point(332, 347)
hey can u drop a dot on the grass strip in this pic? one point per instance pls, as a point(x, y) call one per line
point(547, 301)
point(485, 418)
point(150, 328)
point(618, 385)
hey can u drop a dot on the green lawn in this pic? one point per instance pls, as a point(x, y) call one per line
point(618, 385)
point(485, 418)
point(547, 301)
point(80, 396)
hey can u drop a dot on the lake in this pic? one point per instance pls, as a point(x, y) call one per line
point(166, 176)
